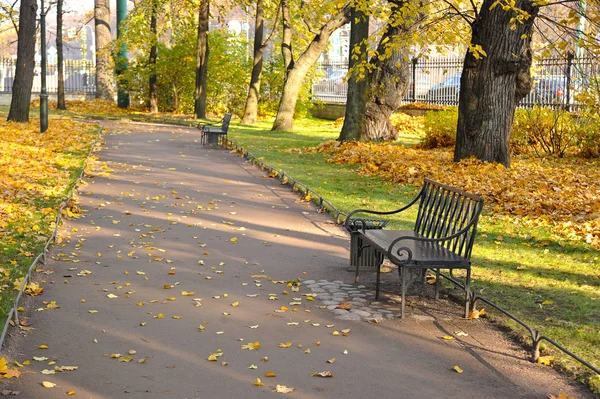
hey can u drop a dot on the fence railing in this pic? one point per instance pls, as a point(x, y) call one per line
point(556, 81)
point(79, 76)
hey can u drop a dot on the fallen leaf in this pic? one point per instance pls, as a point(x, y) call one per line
point(48, 384)
point(285, 345)
point(112, 296)
point(43, 346)
point(323, 374)
point(253, 367)
point(458, 369)
point(448, 337)
point(548, 302)
point(212, 358)
point(258, 383)
point(235, 304)
point(71, 393)
point(270, 374)
point(283, 389)
point(331, 361)
point(545, 360)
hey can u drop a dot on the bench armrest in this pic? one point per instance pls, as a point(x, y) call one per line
point(408, 252)
point(361, 221)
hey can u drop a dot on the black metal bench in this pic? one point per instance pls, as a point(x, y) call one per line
point(442, 238)
point(212, 134)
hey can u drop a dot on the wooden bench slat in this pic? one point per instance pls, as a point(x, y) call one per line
point(424, 254)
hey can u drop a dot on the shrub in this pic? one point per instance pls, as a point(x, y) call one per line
point(440, 128)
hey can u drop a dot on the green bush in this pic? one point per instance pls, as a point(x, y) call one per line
point(440, 128)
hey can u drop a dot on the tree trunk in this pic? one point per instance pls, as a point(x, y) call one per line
point(297, 72)
point(152, 61)
point(390, 80)
point(59, 54)
point(105, 88)
point(251, 108)
point(356, 104)
point(21, 92)
point(286, 42)
point(492, 85)
point(202, 61)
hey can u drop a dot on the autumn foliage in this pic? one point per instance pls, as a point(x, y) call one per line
point(561, 193)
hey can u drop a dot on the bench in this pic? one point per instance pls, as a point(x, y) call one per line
point(211, 134)
point(442, 238)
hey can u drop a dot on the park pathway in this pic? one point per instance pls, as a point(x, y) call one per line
point(182, 256)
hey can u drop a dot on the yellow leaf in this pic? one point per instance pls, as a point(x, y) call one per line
point(283, 389)
point(253, 367)
point(48, 384)
point(545, 360)
point(548, 302)
point(112, 296)
point(3, 366)
point(185, 293)
point(331, 361)
point(71, 393)
point(258, 383)
point(285, 345)
point(458, 369)
point(212, 358)
point(125, 359)
point(270, 374)
point(159, 316)
point(448, 337)
point(43, 346)
point(235, 304)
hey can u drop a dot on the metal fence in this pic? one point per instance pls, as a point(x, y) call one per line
point(556, 81)
point(79, 76)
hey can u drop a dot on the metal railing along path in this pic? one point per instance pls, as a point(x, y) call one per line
point(42, 257)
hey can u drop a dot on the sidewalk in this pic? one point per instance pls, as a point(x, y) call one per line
point(181, 254)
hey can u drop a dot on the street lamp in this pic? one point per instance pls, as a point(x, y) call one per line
point(43, 92)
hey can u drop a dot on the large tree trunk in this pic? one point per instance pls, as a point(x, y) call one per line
point(202, 60)
point(61, 104)
point(21, 92)
point(251, 108)
point(492, 85)
point(105, 88)
point(356, 104)
point(390, 80)
point(297, 72)
point(153, 54)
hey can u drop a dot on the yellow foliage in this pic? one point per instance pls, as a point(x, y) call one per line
point(88, 107)
point(560, 193)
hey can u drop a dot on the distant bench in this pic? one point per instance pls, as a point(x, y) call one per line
point(211, 134)
point(442, 238)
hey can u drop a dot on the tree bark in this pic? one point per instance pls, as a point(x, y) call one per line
point(202, 61)
point(61, 104)
point(356, 103)
point(105, 86)
point(390, 80)
point(286, 40)
point(153, 54)
point(298, 69)
point(492, 86)
point(251, 108)
point(21, 92)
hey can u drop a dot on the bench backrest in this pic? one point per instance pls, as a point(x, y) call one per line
point(444, 211)
point(226, 120)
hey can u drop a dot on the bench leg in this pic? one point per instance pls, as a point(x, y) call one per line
point(437, 283)
point(403, 291)
point(467, 292)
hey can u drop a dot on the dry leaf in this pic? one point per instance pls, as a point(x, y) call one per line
point(545, 360)
point(285, 345)
point(323, 374)
point(331, 361)
point(270, 374)
point(448, 337)
point(258, 383)
point(458, 369)
point(283, 389)
point(48, 384)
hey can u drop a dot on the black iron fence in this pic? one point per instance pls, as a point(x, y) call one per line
point(79, 76)
point(556, 81)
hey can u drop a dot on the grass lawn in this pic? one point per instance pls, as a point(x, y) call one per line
point(551, 283)
point(37, 172)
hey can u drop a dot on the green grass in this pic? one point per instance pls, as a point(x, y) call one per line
point(520, 271)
